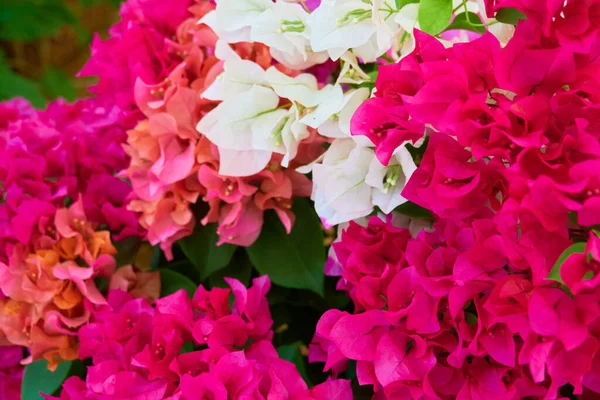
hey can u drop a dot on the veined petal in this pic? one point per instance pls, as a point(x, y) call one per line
point(338, 125)
point(242, 163)
point(233, 15)
point(339, 182)
point(238, 77)
point(230, 124)
point(302, 89)
point(331, 101)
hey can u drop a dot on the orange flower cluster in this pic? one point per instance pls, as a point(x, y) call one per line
point(50, 284)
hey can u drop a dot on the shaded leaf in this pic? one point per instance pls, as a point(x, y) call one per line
point(402, 3)
point(127, 250)
point(295, 260)
point(32, 19)
point(509, 16)
point(14, 85)
point(156, 258)
point(434, 15)
point(56, 83)
point(202, 250)
point(38, 379)
point(171, 281)
point(414, 211)
point(239, 268)
point(417, 152)
point(350, 372)
point(89, 3)
point(460, 22)
point(554, 274)
point(187, 348)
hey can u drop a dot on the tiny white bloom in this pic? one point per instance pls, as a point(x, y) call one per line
point(331, 100)
point(284, 29)
point(365, 26)
point(388, 182)
point(238, 14)
point(351, 71)
point(242, 163)
point(224, 52)
point(339, 188)
point(302, 89)
point(234, 36)
point(298, 61)
point(349, 181)
point(503, 32)
point(291, 133)
point(238, 77)
point(338, 125)
point(234, 123)
point(407, 17)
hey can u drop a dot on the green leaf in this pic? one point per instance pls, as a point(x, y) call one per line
point(202, 250)
point(56, 83)
point(32, 19)
point(89, 3)
point(38, 379)
point(291, 352)
point(414, 211)
point(509, 16)
point(156, 258)
point(418, 152)
point(239, 268)
point(14, 85)
point(295, 260)
point(554, 274)
point(171, 281)
point(434, 15)
point(460, 22)
point(187, 347)
point(351, 370)
point(471, 318)
point(402, 3)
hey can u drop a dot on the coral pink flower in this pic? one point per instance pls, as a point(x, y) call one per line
point(48, 281)
point(172, 167)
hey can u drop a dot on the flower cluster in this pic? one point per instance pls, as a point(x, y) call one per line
point(172, 167)
point(50, 159)
point(301, 35)
point(213, 112)
point(60, 203)
point(139, 47)
point(471, 308)
point(138, 350)
point(46, 283)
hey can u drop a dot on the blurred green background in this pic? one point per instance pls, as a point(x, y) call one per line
point(44, 43)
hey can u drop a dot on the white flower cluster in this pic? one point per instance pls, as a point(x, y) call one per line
point(265, 112)
point(250, 124)
point(350, 181)
point(299, 38)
